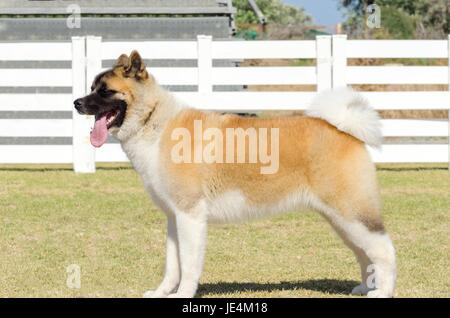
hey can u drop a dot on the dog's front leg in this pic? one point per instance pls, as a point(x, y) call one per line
point(192, 230)
point(172, 272)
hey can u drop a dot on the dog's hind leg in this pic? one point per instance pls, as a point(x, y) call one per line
point(172, 271)
point(373, 249)
point(376, 255)
point(363, 260)
point(346, 192)
point(192, 232)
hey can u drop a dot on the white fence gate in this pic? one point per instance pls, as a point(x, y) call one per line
point(88, 54)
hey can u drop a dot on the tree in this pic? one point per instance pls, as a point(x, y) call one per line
point(283, 21)
point(275, 11)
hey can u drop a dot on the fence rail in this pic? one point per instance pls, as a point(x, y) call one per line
point(84, 57)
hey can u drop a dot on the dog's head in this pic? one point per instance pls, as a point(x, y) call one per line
point(113, 93)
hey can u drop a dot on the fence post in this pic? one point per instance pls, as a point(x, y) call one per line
point(339, 60)
point(204, 64)
point(83, 152)
point(323, 62)
point(93, 67)
point(93, 59)
point(448, 143)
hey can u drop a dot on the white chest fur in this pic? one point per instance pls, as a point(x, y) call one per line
point(144, 157)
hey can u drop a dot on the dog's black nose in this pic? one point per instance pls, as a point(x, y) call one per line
point(77, 104)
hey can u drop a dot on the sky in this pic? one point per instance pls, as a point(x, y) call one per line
point(324, 12)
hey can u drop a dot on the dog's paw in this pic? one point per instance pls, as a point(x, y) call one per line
point(378, 293)
point(154, 294)
point(360, 290)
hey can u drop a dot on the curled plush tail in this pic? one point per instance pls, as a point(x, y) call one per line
point(349, 112)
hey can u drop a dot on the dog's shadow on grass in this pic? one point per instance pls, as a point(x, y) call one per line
point(329, 286)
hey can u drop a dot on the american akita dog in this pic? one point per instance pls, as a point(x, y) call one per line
point(323, 165)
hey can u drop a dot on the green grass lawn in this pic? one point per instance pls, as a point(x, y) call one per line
point(104, 222)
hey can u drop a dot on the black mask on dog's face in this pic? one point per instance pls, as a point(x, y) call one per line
point(109, 92)
point(102, 100)
point(104, 104)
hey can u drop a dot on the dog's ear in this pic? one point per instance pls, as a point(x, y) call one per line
point(123, 61)
point(136, 67)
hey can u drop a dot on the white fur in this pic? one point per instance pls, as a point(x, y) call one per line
point(172, 274)
point(233, 207)
point(192, 230)
point(349, 112)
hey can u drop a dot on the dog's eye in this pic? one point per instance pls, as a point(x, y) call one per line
point(106, 92)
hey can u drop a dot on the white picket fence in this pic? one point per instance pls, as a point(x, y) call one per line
point(331, 71)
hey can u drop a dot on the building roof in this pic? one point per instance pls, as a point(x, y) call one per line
point(154, 28)
point(190, 7)
point(22, 20)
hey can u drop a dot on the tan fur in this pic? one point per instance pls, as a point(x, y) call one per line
point(314, 156)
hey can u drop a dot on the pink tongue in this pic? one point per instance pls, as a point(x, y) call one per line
point(100, 132)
